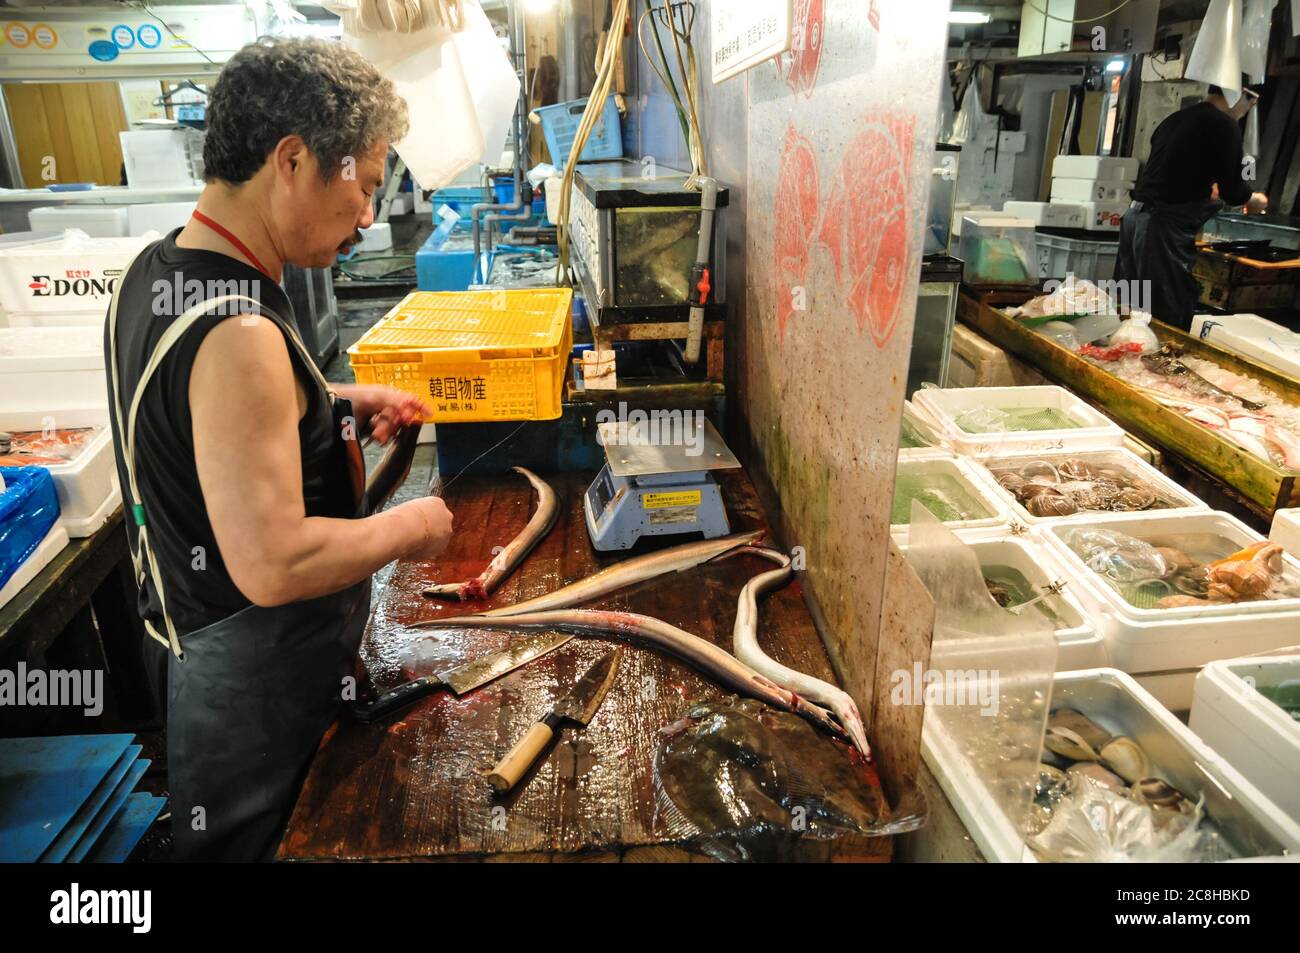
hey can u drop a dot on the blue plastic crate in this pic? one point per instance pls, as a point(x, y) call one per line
point(461, 199)
point(560, 124)
point(439, 269)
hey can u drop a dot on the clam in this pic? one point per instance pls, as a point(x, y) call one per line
point(1011, 482)
point(1126, 758)
point(1051, 504)
point(1133, 498)
point(1092, 733)
point(1076, 469)
point(1161, 795)
point(1090, 772)
point(1068, 743)
point(1040, 471)
point(1176, 559)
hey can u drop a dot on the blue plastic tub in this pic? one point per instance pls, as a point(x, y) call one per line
point(440, 269)
point(560, 124)
point(460, 199)
point(504, 188)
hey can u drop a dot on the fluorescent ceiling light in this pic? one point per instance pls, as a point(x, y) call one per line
point(968, 16)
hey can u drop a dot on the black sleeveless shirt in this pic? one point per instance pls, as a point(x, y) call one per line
point(163, 282)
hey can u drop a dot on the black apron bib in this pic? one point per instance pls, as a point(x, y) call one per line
point(248, 697)
point(1157, 243)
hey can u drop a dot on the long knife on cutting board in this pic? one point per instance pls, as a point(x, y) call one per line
point(578, 707)
point(463, 678)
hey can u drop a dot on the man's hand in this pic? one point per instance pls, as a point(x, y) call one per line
point(1257, 204)
point(432, 514)
point(384, 408)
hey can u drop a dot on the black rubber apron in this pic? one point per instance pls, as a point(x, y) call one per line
point(249, 697)
point(1157, 243)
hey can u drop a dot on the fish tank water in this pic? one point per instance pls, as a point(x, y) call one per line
point(941, 491)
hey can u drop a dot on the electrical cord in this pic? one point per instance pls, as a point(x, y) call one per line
point(1052, 16)
point(144, 6)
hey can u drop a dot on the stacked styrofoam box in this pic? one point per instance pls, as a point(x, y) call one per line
point(1164, 648)
point(1257, 736)
point(160, 217)
point(1285, 531)
point(1100, 185)
point(1048, 214)
point(52, 369)
point(1120, 705)
point(66, 281)
point(97, 221)
point(1078, 642)
point(1257, 338)
point(945, 405)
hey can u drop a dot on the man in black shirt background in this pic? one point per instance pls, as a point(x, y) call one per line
point(1195, 167)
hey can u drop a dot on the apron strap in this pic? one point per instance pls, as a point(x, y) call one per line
point(144, 552)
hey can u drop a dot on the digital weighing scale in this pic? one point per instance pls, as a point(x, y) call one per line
point(657, 481)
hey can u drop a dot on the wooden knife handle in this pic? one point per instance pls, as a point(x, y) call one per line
point(521, 757)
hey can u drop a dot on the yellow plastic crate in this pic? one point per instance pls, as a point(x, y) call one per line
point(474, 355)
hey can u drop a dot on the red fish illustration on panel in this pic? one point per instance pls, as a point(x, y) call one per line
point(865, 224)
point(797, 198)
point(873, 15)
point(805, 54)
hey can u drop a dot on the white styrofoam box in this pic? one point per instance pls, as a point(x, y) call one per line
point(1104, 216)
point(945, 405)
point(913, 417)
point(1090, 190)
point(73, 274)
point(1241, 812)
point(1178, 640)
point(1286, 530)
point(87, 485)
point(52, 368)
point(378, 237)
point(1049, 214)
point(1255, 337)
point(1120, 456)
point(50, 546)
point(943, 462)
point(1059, 256)
point(1095, 167)
point(97, 221)
point(980, 216)
point(160, 217)
point(53, 319)
point(1078, 643)
point(1255, 735)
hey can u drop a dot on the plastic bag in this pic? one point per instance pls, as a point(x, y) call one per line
point(1136, 330)
point(1117, 556)
point(1073, 296)
point(1097, 825)
point(29, 507)
point(1061, 333)
point(1216, 55)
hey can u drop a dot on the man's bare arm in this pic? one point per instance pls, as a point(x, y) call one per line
point(245, 409)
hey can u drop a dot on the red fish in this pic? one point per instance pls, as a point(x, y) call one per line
point(869, 238)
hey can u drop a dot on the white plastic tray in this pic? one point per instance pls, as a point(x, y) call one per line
point(1079, 644)
point(1256, 736)
point(912, 415)
point(42, 556)
point(945, 405)
point(44, 367)
point(1117, 702)
point(940, 461)
point(87, 486)
point(1177, 641)
point(1130, 461)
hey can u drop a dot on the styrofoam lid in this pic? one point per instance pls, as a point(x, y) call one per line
point(73, 346)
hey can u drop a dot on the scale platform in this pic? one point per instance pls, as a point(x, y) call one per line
point(657, 481)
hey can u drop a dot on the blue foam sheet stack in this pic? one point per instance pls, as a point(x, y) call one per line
point(72, 799)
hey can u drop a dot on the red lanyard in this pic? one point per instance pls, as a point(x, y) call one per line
point(229, 236)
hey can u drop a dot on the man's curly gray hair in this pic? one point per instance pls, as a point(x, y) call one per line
point(331, 96)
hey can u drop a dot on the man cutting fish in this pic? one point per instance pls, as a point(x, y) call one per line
point(239, 465)
point(1195, 168)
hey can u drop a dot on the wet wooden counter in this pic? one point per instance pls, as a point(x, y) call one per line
point(412, 789)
